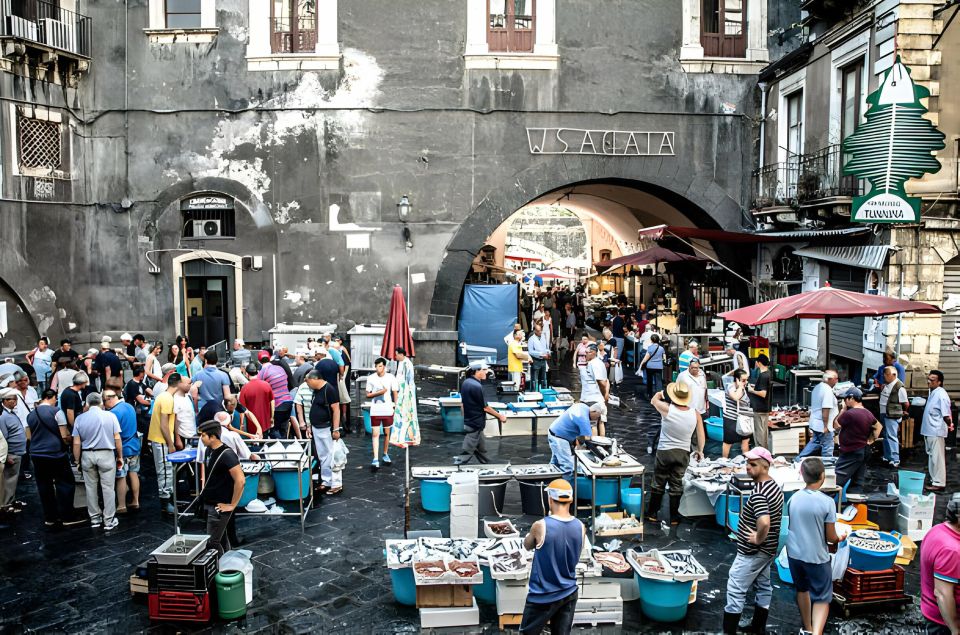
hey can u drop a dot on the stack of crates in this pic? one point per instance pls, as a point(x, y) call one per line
point(182, 592)
point(867, 586)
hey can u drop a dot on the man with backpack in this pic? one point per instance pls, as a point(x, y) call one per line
point(893, 405)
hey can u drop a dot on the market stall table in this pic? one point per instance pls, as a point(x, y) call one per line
point(784, 427)
point(588, 465)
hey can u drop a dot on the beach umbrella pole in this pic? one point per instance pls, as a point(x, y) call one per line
point(826, 322)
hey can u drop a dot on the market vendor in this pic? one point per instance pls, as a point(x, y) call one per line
point(475, 411)
point(556, 542)
point(568, 429)
point(224, 484)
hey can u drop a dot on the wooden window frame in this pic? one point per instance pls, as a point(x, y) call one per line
point(720, 44)
point(508, 38)
point(300, 40)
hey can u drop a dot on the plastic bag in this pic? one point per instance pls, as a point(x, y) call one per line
point(617, 374)
point(340, 453)
point(840, 560)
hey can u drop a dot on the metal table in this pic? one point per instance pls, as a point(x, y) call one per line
point(494, 472)
point(586, 462)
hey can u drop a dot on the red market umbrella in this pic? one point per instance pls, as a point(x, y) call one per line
point(825, 303)
point(650, 256)
point(397, 332)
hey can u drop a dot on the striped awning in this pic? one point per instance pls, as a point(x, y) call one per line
point(862, 256)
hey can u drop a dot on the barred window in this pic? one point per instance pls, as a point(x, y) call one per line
point(40, 144)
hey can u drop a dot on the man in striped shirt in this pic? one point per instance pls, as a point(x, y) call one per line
point(687, 356)
point(274, 375)
point(757, 537)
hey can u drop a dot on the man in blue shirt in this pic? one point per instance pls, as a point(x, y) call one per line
point(556, 542)
point(12, 430)
point(215, 384)
point(475, 411)
point(130, 441)
point(539, 348)
point(567, 430)
point(889, 359)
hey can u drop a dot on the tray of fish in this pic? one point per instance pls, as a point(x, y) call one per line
point(510, 566)
point(430, 572)
point(522, 472)
point(449, 548)
point(500, 529)
point(465, 571)
point(401, 553)
point(683, 565)
point(487, 473)
point(647, 565)
point(870, 540)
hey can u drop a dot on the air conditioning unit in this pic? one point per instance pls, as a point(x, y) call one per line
point(206, 229)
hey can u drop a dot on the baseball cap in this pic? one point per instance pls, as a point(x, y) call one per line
point(760, 453)
point(478, 364)
point(592, 346)
point(168, 368)
point(854, 392)
point(126, 336)
point(560, 490)
point(8, 393)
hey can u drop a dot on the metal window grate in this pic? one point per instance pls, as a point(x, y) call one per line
point(40, 143)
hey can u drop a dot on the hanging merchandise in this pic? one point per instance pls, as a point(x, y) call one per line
point(893, 145)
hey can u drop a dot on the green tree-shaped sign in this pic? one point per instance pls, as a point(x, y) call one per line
point(893, 145)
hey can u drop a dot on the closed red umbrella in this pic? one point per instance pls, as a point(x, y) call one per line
point(825, 303)
point(397, 332)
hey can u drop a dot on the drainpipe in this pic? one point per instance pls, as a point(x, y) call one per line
point(764, 88)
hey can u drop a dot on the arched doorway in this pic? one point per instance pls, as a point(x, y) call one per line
point(617, 206)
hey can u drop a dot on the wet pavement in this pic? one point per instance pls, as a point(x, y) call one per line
point(331, 577)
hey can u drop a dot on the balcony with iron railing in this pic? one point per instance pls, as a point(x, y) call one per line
point(45, 23)
point(803, 180)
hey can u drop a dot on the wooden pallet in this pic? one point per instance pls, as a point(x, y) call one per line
point(847, 607)
point(510, 620)
point(138, 586)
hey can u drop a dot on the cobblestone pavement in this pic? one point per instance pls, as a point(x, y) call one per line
point(331, 577)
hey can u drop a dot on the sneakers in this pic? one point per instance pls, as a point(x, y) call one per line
point(375, 465)
point(96, 524)
point(111, 525)
point(386, 459)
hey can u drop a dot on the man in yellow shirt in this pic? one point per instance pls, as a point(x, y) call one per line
point(515, 358)
point(162, 438)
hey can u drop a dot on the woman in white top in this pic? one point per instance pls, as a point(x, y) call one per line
point(677, 425)
point(153, 366)
point(63, 378)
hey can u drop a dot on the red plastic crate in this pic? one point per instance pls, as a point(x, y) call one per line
point(179, 606)
point(858, 586)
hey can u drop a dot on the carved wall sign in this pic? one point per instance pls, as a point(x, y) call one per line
point(614, 143)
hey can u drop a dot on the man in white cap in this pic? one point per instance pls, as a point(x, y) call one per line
point(108, 365)
point(556, 542)
point(687, 356)
point(569, 429)
point(129, 351)
point(475, 411)
point(11, 429)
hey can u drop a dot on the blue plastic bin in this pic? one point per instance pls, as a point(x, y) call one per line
point(608, 491)
point(249, 489)
point(367, 423)
point(404, 586)
point(663, 600)
point(714, 427)
point(863, 560)
point(452, 417)
point(910, 482)
point(632, 499)
point(784, 573)
point(435, 495)
point(486, 593)
point(721, 508)
point(286, 479)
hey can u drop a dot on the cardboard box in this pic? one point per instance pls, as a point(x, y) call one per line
point(599, 589)
point(444, 595)
point(442, 617)
point(908, 551)
point(784, 441)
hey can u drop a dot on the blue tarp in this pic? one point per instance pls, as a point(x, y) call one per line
point(487, 314)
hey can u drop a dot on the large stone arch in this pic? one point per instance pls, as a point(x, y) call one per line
point(700, 198)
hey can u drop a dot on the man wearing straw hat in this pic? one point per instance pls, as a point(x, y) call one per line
point(556, 542)
point(678, 423)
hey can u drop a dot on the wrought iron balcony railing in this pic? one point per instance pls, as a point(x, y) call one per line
point(46, 23)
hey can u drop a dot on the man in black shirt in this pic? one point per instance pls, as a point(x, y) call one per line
point(223, 484)
point(63, 355)
point(475, 411)
point(760, 395)
point(71, 399)
point(325, 428)
point(136, 393)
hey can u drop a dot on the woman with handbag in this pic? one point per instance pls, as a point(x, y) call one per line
point(737, 414)
point(652, 366)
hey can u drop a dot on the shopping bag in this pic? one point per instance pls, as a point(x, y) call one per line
point(340, 453)
point(617, 373)
point(744, 423)
point(840, 560)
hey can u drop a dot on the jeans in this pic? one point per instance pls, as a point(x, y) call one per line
point(538, 374)
point(100, 469)
point(654, 381)
point(281, 421)
point(749, 572)
point(891, 439)
point(821, 442)
point(474, 444)
point(323, 440)
point(559, 614)
point(562, 456)
point(217, 528)
point(937, 463)
point(9, 480)
point(164, 470)
point(621, 343)
point(851, 468)
point(56, 485)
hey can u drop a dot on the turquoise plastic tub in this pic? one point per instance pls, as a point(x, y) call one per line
point(721, 509)
point(714, 427)
point(435, 495)
point(784, 573)
point(404, 586)
point(367, 422)
point(452, 417)
point(863, 560)
point(632, 498)
point(285, 480)
point(910, 482)
point(249, 489)
point(662, 600)
point(486, 593)
point(608, 491)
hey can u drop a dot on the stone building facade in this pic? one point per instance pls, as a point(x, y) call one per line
point(226, 165)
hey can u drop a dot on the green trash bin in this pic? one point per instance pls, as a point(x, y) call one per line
point(231, 598)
